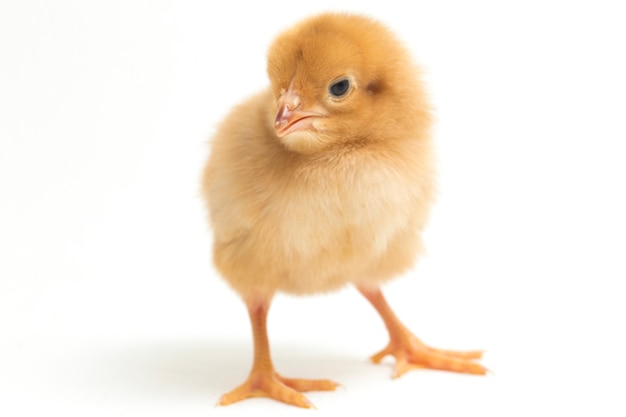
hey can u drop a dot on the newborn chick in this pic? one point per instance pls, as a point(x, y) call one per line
point(322, 180)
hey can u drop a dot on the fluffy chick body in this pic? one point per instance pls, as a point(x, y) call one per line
point(304, 224)
point(311, 212)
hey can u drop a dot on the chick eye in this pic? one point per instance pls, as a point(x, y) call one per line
point(339, 88)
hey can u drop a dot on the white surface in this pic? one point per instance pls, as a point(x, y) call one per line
point(109, 305)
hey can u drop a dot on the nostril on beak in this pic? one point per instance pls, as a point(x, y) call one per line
point(283, 115)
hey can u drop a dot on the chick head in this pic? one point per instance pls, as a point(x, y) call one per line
point(340, 80)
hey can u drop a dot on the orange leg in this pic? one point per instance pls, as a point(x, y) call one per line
point(410, 352)
point(263, 381)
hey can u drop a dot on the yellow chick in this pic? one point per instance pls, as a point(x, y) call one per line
point(322, 180)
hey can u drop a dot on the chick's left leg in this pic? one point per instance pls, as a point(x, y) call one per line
point(412, 353)
point(263, 380)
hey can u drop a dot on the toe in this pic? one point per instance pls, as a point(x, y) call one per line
point(380, 355)
point(470, 354)
point(303, 385)
point(444, 362)
point(402, 367)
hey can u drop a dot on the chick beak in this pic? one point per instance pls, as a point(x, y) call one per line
point(290, 118)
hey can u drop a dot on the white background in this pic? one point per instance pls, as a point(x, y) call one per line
point(109, 305)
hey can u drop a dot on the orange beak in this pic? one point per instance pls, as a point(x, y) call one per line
point(289, 121)
point(290, 118)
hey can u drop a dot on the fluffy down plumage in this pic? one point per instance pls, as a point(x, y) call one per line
point(342, 202)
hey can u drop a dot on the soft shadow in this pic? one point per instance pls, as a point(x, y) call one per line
point(201, 369)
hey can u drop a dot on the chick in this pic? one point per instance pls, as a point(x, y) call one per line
point(322, 180)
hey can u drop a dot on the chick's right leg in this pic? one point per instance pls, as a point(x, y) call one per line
point(263, 380)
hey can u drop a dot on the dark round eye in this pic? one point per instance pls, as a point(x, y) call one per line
point(339, 88)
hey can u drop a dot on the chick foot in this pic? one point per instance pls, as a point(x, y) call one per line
point(271, 385)
point(410, 352)
point(263, 381)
